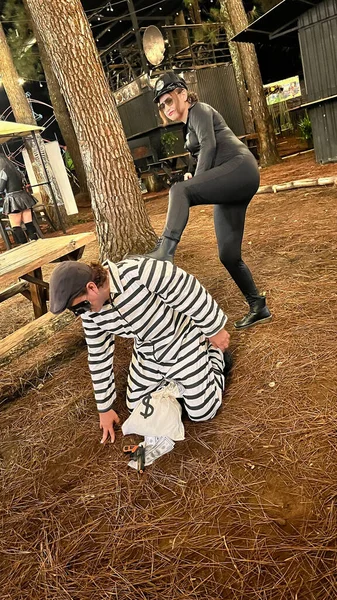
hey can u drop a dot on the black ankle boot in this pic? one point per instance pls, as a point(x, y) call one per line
point(31, 231)
point(258, 313)
point(19, 236)
point(165, 250)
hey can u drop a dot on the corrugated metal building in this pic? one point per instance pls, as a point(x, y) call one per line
point(315, 23)
point(317, 30)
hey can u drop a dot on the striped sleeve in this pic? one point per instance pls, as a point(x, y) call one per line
point(100, 345)
point(184, 293)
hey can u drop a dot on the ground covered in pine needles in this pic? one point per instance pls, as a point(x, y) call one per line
point(246, 507)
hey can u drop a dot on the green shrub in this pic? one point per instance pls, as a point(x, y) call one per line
point(168, 141)
point(305, 128)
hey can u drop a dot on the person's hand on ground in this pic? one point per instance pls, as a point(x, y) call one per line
point(106, 422)
point(187, 176)
point(220, 340)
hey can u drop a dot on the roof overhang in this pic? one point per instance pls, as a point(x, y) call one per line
point(278, 22)
point(9, 130)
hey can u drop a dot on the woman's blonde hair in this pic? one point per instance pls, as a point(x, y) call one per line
point(192, 98)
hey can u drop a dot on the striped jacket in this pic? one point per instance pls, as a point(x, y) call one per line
point(155, 303)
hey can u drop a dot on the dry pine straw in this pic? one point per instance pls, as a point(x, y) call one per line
point(245, 507)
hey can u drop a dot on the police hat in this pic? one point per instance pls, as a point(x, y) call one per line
point(167, 83)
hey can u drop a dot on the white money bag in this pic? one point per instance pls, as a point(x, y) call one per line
point(157, 414)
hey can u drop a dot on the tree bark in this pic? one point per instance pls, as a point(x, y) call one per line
point(193, 8)
point(263, 121)
point(23, 114)
point(61, 111)
point(182, 35)
point(121, 220)
point(238, 70)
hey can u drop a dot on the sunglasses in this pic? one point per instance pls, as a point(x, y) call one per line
point(80, 308)
point(167, 102)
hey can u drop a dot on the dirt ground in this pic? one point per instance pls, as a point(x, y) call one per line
point(245, 507)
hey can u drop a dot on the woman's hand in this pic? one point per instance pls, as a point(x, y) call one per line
point(220, 340)
point(106, 422)
point(187, 176)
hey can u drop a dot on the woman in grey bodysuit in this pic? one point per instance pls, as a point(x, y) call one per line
point(226, 176)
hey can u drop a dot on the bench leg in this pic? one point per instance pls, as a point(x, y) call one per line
point(38, 295)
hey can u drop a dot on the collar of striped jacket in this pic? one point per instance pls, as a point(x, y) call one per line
point(114, 279)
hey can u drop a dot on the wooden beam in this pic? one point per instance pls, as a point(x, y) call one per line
point(18, 288)
point(31, 335)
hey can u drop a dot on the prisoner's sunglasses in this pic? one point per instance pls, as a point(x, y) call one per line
point(167, 102)
point(80, 308)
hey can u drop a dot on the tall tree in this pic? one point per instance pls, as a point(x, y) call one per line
point(121, 220)
point(238, 70)
point(194, 10)
point(182, 34)
point(263, 121)
point(22, 39)
point(23, 114)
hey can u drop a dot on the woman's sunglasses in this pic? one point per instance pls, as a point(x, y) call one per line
point(167, 102)
point(80, 308)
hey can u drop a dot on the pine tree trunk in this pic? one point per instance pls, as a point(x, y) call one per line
point(23, 114)
point(182, 35)
point(61, 112)
point(263, 121)
point(194, 11)
point(121, 220)
point(238, 70)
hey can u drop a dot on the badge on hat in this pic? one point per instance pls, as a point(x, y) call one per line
point(159, 85)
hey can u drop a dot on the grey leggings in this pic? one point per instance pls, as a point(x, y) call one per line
point(230, 187)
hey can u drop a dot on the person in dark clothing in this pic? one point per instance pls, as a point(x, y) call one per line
point(18, 202)
point(226, 176)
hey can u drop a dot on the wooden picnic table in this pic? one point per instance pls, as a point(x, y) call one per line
point(26, 262)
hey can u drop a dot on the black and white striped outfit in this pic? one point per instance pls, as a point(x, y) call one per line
point(170, 315)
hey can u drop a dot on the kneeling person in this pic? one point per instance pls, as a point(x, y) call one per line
point(177, 327)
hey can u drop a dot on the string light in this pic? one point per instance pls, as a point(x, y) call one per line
point(21, 81)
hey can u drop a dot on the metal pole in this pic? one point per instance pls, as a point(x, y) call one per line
point(50, 186)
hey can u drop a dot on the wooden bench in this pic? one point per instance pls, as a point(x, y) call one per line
point(26, 262)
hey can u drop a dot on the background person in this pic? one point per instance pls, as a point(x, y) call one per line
point(178, 331)
point(18, 202)
point(226, 175)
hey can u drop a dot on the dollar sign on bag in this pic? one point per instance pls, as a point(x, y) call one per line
point(148, 407)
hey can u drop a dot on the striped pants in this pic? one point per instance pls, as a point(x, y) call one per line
point(197, 367)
